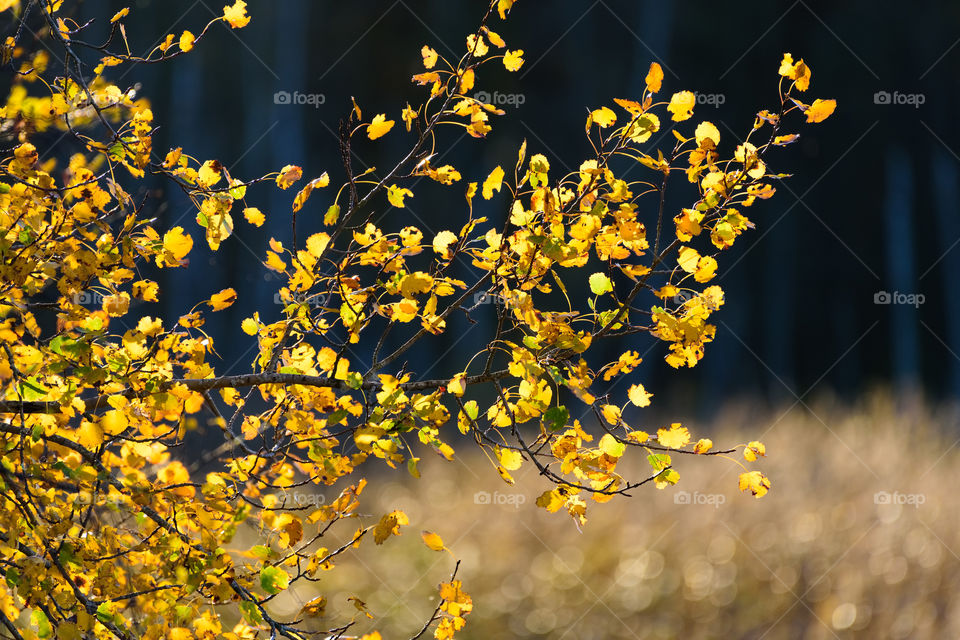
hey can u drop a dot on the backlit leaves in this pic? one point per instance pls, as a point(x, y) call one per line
point(379, 127)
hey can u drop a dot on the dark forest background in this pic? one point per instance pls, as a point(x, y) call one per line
point(872, 206)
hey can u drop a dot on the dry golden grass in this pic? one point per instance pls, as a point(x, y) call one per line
point(820, 557)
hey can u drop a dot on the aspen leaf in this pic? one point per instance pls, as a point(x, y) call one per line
point(186, 41)
point(755, 482)
point(288, 176)
point(687, 258)
point(707, 135)
point(442, 242)
point(820, 110)
point(317, 244)
point(316, 183)
point(639, 396)
point(611, 446)
point(395, 195)
point(654, 77)
point(457, 386)
point(223, 299)
point(604, 117)
point(703, 445)
point(429, 57)
point(332, 215)
point(274, 579)
point(249, 326)
point(389, 525)
point(494, 182)
point(432, 540)
point(513, 60)
point(681, 105)
point(119, 15)
point(236, 15)
point(600, 284)
point(509, 458)
point(379, 127)
point(706, 269)
point(611, 413)
point(753, 450)
point(254, 216)
point(674, 437)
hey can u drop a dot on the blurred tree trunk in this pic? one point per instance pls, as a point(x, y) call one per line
point(946, 193)
point(901, 274)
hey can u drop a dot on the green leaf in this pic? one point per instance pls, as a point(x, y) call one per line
point(354, 380)
point(600, 284)
point(274, 580)
point(659, 461)
point(39, 618)
point(556, 418)
point(332, 215)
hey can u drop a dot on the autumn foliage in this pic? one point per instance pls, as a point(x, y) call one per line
point(106, 531)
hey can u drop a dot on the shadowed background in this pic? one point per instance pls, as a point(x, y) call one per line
point(872, 207)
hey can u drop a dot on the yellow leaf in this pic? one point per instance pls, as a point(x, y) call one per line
point(703, 445)
point(249, 326)
point(494, 182)
point(389, 524)
point(236, 15)
point(708, 137)
point(706, 269)
point(509, 458)
point(317, 244)
point(432, 540)
point(753, 450)
point(503, 8)
point(681, 105)
point(457, 386)
point(756, 482)
point(415, 283)
point(513, 60)
point(639, 396)
point(654, 78)
point(289, 175)
point(114, 422)
point(688, 258)
point(316, 183)
point(379, 127)
point(123, 13)
point(275, 263)
point(186, 41)
point(254, 216)
point(611, 413)
point(442, 242)
point(429, 57)
point(820, 110)
point(396, 195)
point(223, 299)
point(611, 446)
point(604, 117)
point(209, 174)
point(674, 437)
